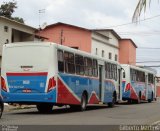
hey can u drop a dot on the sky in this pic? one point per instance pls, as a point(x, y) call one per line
point(96, 14)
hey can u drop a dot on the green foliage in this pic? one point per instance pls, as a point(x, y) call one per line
point(7, 9)
point(140, 6)
point(18, 19)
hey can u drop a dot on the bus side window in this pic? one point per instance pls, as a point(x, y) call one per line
point(88, 66)
point(95, 68)
point(79, 64)
point(107, 66)
point(60, 61)
point(115, 72)
point(69, 62)
point(150, 78)
point(110, 71)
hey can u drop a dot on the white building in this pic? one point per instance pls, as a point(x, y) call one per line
point(105, 43)
point(12, 31)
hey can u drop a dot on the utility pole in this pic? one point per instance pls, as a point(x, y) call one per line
point(40, 12)
point(61, 37)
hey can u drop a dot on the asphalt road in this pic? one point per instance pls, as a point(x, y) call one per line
point(144, 113)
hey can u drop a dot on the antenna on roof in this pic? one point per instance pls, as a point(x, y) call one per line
point(43, 26)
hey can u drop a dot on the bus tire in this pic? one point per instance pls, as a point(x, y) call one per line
point(1, 109)
point(45, 108)
point(83, 102)
point(111, 104)
point(138, 101)
point(130, 101)
point(82, 106)
point(150, 100)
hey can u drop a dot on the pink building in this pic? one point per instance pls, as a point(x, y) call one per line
point(68, 35)
point(127, 52)
point(99, 42)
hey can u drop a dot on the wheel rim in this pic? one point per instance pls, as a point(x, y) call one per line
point(83, 103)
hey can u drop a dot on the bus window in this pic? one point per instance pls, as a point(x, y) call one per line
point(88, 66)
point(112, 71)
point(95, 68)
point(150, 78)
point(115, 72)
point(60, 61)
point(69, 62)
point(107, 69)
point(79, 63)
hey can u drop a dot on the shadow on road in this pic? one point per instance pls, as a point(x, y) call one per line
point(67, 109)
point(59, 111)
point(134, 103)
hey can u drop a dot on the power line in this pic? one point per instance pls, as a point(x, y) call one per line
point(154, 48)
point(148, 62)
point(135, 21)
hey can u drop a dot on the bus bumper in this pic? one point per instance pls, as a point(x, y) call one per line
point(30, 97)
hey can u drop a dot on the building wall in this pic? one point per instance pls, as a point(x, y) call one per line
point(70, 36)
point(108, 44)
point(127, 52)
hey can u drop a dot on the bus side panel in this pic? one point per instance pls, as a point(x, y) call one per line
point(136, 88)
point(108, 91)
point(71, 87)
point(125, 92)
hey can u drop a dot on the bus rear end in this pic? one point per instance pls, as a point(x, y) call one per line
point(24, 77)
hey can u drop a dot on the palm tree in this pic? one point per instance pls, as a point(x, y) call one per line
point(140, 6)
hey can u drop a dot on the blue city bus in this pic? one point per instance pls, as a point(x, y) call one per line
point(138, 84)
point(47, 74)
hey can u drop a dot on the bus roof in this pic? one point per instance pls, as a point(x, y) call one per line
point(58, 46)
point(138, 68)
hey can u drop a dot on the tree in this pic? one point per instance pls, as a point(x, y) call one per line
point(7, 9)
point(140, 6)
point(18, 19)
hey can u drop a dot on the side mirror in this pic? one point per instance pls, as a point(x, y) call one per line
point(124, 75)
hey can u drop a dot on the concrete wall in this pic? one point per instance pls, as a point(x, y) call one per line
point(12, 25)
point(127, 52)
point(71, 36)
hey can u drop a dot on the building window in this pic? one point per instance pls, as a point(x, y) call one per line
point(116, 57)
point(110, 55)
point(5, 28)
point(96, 51)
point(102, 53)
point(75, 47)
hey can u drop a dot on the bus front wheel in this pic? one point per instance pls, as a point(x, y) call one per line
point(44, 108)
point(82, 106)
point(111, 104)
point(83, 102)
point(138, 101)
point(151, 99)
